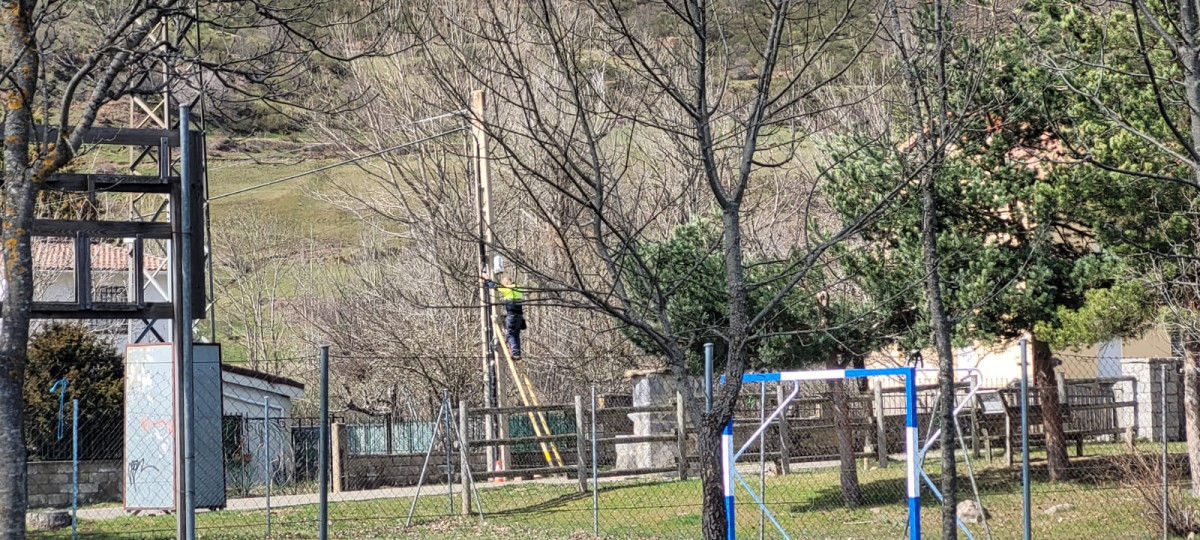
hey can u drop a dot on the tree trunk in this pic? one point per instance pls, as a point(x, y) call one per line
point(714, 520)
point(1191, 404)
point(941, 337)
point(16, 210)
point(1052, 416)
point(1190, 21)
point(709, 444)
point(851, 494)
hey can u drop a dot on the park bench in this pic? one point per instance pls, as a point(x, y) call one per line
point(1089, 411)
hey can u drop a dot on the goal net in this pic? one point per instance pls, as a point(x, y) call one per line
point(796, 421)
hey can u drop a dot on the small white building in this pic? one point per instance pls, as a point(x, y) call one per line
point(244, 392)
point(54, 281)
point(251, 438)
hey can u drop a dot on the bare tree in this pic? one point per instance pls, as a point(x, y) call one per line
point(46, 78)
point(254, 262)
point(923, 41)
point(608, 128)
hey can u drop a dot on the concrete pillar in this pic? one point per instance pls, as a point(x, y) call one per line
point(1148, 373)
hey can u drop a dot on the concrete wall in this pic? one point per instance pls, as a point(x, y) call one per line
point(50, 483)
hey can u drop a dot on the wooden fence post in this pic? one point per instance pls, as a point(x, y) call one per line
point(1134, 396)
point(338, 447)
point(681, 435)
point(580, 446)
point(881, 442)
point(464, 450)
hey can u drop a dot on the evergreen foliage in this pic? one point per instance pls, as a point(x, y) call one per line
point(94, 373)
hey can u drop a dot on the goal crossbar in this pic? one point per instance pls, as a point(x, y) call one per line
point(729, 456)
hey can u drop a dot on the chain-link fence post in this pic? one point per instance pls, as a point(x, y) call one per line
point(267, 456)
point(1163, 431)
point(595, 489)
point(446, 441)
point(74, 469)
point(323, 450)
point(1025, 508)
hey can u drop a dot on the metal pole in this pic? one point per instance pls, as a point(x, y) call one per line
point(595, 492)
point(267, 456)
point(447, 444)
point(708, 370)
point(911, 451)
point(187, 176)
point(323, 451)
point(74, 468)
point(1163, 424)
point(762, 462)
point(1025, 508)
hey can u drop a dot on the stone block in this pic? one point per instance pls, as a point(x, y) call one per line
point(51, 479)
point(645, 455)
point(47, 521)
point(88, 488)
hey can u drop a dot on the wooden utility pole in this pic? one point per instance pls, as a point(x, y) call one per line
point(483, 212)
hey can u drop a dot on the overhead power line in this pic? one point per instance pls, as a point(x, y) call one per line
point(338, 164)
point(306, 146)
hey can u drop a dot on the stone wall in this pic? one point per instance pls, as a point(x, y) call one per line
point(50, 483)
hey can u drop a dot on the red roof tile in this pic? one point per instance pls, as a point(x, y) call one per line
point(60, 255)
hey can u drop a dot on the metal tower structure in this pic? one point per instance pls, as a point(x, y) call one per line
point(176, 77)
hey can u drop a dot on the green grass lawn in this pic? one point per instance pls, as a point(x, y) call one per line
point(807, 503)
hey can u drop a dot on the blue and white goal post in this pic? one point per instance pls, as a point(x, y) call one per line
point(730, 456)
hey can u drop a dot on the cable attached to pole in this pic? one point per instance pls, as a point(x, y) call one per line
point(338, 164)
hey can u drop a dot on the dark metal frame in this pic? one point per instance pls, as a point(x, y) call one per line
point(82, 232)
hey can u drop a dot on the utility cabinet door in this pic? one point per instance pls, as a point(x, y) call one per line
point(209, 457)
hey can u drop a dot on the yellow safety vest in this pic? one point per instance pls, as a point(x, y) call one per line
point(511, 294)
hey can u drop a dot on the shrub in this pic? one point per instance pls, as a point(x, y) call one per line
point(95, 375)
point(1144, 474)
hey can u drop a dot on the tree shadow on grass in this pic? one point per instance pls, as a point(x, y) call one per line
point(1088, 473)
point(556, 503)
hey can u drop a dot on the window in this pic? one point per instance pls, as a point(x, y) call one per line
point(111, 294)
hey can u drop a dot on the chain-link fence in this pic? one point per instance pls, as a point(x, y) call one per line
point(618, 459)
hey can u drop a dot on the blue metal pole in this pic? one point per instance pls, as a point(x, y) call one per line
point(708, 377)
point(1025, 508)
point(727, 478)
point(267, 456)
point(910, 451)
point(187, 176)
point(323, 451)
point(74, 469)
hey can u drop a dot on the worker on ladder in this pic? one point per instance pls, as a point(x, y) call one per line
point(514, 320)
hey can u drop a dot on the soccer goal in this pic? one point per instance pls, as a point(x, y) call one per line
point(912, 452)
